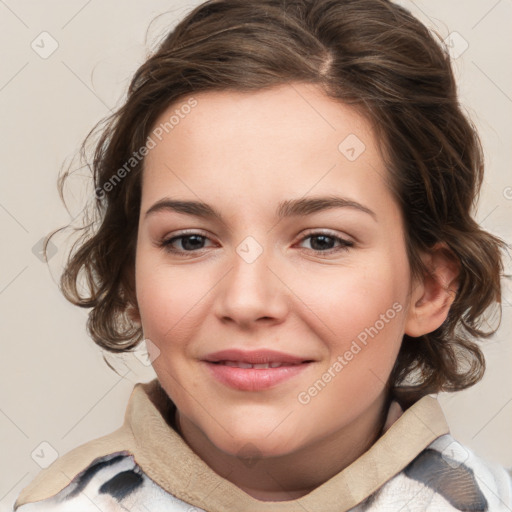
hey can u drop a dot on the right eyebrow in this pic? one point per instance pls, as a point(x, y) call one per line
point(196, 208)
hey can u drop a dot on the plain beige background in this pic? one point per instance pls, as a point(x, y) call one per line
point(56, 392)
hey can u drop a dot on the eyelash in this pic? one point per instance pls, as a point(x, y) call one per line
point(345, 245)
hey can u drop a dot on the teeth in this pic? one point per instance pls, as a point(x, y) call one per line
point(239, 364)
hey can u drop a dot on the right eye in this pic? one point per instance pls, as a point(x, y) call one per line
point(184, 243)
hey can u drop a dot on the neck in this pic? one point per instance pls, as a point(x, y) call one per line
point(291, 475)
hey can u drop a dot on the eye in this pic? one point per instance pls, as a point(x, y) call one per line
point(184, 243)
point(326, 242)
point(320, 242)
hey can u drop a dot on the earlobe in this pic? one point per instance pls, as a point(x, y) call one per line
point(133, 314)
point(433, 296)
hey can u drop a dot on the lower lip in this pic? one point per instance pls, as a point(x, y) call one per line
point(254, 379)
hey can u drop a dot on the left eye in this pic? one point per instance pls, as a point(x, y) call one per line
point(322, 242)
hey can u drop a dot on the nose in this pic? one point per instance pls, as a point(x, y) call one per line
point(251, 293)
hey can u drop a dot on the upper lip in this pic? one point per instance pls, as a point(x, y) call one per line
point(255, 357)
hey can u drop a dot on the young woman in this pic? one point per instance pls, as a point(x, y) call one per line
point(284, 208)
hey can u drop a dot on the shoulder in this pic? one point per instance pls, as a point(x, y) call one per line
point(112, 483)
point(448, 475)
point(105, 473)
point(77, 467)
point(100, 484)
point(488, 481)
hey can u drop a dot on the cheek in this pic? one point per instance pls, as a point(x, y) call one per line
point(348, 299)
point(170, 301)
point(159, 303)
point(378, 314)
point(358, 311)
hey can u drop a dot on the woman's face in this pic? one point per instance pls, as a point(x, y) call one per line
point(266, 224)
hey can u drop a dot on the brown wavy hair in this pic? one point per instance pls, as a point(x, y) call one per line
point(371, 54)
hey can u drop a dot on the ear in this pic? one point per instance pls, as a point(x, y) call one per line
point(133, 314)
point(433, 294)
point(132, 310)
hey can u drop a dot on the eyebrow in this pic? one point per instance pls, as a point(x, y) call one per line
point(289, 208)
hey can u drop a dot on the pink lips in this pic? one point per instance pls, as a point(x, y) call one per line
point(254, 379)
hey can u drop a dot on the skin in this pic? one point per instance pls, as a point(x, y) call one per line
point(244, 153)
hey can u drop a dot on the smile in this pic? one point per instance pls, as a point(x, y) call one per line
point(254, 377)
point(242, 364)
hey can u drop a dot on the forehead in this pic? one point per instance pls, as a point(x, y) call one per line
point(283, 141)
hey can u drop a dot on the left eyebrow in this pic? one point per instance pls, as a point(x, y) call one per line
point(289, 208)
point(309, 205)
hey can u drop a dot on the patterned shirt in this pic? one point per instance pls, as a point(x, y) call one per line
point(146, 466)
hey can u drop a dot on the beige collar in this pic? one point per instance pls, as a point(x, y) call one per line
point(166, 458)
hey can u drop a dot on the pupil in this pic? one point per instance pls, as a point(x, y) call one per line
point(197, 240)
point(325, 242)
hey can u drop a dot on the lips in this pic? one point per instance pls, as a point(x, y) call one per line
point(255, 370)
point(241, 364)
point(255, 358)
